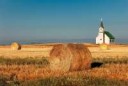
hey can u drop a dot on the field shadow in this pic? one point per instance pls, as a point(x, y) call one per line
point(96, 64)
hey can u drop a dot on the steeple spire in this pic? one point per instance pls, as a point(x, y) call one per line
point(101, 24)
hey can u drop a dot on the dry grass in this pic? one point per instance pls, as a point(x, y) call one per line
point(43, 50)
point(24, 72)
point(110, 70)
point(29, 72)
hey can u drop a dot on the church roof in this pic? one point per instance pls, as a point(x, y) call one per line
point(109, 35)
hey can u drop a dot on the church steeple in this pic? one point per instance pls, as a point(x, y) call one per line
point(101, 29)
point(101, 24)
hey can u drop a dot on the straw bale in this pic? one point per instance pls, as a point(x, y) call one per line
point(15, 46)
point(70, 57)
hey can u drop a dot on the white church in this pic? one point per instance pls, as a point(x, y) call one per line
point(104, 37)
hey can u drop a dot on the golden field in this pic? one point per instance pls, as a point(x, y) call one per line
point(42, 50)
point(115, 68)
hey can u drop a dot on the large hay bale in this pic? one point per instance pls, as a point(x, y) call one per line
point(15, 46)
point(81, 57)
point(60, 58)
point(70, 57)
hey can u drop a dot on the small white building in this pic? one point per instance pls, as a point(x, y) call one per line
point(104, 37)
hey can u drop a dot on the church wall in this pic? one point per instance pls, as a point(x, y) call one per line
point(99, 38)
point(107, 39)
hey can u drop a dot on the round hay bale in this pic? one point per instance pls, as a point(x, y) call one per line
point(15, 46)
point(104, 46)
point(81, 57)
point(70, 57)
point(60, 58)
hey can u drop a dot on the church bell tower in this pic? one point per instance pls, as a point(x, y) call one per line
point(101, 29)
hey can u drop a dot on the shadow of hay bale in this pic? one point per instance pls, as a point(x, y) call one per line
point(96, 64)
point(70, 57)
point(15, 46)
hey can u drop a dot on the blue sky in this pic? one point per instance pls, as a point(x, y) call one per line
point(27, 20)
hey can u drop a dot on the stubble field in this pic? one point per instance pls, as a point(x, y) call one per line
point(30, 67)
